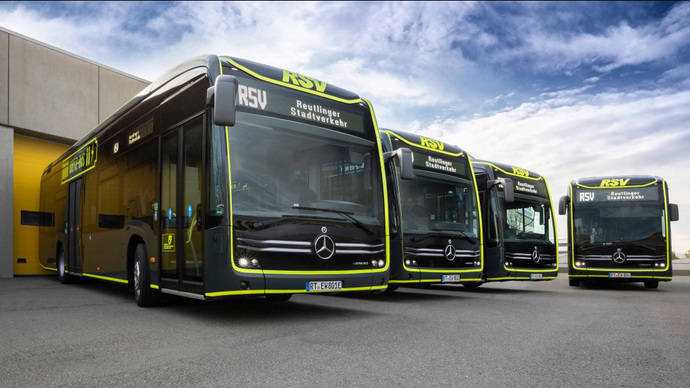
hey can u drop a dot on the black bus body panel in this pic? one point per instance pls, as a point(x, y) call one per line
point(129, 154)
point(504, 260)
point(427, 251)
point(598, 262)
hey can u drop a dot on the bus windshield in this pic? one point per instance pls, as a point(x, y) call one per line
point(282, 168)
point(528, 220)
point(432, 205)
point(611, 223)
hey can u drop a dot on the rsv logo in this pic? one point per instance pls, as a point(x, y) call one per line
point(614, 182)
point(431, 143)
point(520, 171)
point(586, 196)
point(303, 81)
point(252, 97)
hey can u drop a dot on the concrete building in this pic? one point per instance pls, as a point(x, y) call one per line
point(49, 98)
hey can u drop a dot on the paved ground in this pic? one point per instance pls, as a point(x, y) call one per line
point(516, 334)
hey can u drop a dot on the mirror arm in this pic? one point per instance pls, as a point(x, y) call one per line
point(210, 93)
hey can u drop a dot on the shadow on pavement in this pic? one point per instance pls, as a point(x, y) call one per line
point(407, 294)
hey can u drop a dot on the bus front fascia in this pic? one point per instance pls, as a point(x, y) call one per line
point(594, 270)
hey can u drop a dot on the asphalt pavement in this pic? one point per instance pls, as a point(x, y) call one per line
point(514, 334)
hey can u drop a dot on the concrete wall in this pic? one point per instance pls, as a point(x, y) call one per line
point(4, 87)
point(55, 93)
point(6, 202)
point(114, 90)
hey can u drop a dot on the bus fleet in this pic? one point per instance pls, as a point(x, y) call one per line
point(226, 177)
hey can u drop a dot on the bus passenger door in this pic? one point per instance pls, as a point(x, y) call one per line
point(182, 254)
point(73, 229)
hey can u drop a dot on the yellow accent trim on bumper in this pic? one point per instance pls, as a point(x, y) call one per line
point(106, 278)
point(632, 276)
point(154, 286)
point(300, 291)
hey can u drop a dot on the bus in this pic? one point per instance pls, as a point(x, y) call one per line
point(224, 177)
point(520, 237)
point(619, 229)
point(436, 226)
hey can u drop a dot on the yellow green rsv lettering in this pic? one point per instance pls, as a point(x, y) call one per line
point(520, 171)
point(431, 143)
point(618, 182)
point(303, 81)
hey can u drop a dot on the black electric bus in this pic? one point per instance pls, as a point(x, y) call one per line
point(619, 229)
point(435, 226)
point(224, 177)
point(520, 237)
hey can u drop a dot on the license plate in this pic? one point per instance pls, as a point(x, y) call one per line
point(331, 285)
point(619, 274)
point(536, 276)
point(450, 279)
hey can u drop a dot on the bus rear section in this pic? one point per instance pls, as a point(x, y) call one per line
point(225, 177)
point(519, 225)
point(619, 229)
point(436, 225)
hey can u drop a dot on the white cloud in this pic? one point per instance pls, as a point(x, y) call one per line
point(591, 80)
point(589, 135)
point(617, 46)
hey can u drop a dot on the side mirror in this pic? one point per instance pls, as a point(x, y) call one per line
point(223, 94)
point(404, 155)
point(508, 190)
point(563, 204)
point(673, 212)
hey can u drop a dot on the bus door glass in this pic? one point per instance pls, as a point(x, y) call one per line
point(181, 193)
point(74, 225)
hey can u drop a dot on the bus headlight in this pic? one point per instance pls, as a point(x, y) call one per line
point(407, 262)
point(243, 262)
point(381, 263)
point(255, 263)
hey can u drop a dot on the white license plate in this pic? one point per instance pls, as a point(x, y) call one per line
point(536, 276)
point(450, 279)
point(619, 274)
point(330, 285)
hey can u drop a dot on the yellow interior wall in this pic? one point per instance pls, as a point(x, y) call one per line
point(31, 156)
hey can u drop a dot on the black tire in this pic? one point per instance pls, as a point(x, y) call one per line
point(63, 276)
point(651, 284)
point(472, 285)
point(278, 297)
point(574, 282)
point(144, 295)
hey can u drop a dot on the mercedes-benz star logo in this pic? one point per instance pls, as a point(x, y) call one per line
point(449, 252)
point(324, 247)
point(618, 256)
point(536, 258)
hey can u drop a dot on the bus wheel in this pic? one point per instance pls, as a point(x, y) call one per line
point(574, 282)
point(651, 284)
point(144, 295)
point(278, 297)
point(472, 285)
point(63, 277)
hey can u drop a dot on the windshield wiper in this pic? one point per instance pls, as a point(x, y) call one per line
point(344, 213)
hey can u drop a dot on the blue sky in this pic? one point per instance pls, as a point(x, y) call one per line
point(565, 89)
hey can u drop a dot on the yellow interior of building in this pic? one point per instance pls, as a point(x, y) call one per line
point(31, 156)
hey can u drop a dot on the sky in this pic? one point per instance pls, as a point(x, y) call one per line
point(564, 89)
